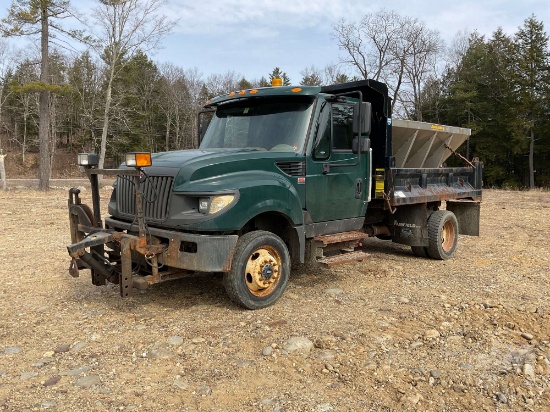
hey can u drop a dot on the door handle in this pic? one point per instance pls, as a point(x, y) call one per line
point(358, 188)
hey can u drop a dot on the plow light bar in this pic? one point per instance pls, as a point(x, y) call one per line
point(140, 159)
point(87, 159)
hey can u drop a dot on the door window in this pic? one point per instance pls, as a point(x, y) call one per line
point(335, 131)
point(342, 126)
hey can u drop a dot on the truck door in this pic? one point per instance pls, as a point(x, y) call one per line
point(336, 184)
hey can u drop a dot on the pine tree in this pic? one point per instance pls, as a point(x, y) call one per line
point(532, 76)
point(311, 76)
point(277, 73)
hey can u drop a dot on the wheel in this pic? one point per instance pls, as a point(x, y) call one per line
point(420, 251)
point(442, 234)
point(259, 272)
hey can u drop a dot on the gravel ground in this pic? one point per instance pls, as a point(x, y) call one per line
point(394, 332)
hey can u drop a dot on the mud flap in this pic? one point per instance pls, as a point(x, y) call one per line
point(467, 214)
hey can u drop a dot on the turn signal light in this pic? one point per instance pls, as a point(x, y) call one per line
point(140, 159)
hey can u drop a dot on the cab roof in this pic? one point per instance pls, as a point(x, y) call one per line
point(264, 92)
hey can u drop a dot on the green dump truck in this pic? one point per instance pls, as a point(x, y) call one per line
point(283, 176)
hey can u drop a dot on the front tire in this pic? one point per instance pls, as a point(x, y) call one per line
point(442, 234)
point(259, 271)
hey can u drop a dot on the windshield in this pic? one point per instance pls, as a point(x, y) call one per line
point(278, 125)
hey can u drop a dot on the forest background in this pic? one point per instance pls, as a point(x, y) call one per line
point(110, 97)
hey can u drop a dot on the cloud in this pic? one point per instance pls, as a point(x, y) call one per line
point(258, 18)
point(269, 19)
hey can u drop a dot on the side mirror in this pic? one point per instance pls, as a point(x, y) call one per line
point(360, 145)
point(361, 118)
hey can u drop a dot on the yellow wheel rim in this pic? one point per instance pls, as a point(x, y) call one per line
point(262, 272)
point(447, 236)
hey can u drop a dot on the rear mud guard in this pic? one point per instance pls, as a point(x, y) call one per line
point(467, 213)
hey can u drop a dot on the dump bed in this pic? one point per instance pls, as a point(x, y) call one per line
point(420, 150)
point(422, 145)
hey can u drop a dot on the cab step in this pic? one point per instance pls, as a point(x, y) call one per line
point(341, 237)
point(343, 258)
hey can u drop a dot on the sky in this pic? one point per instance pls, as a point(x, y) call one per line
point(251, 37)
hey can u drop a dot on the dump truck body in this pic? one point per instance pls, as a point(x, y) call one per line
point(282, 174)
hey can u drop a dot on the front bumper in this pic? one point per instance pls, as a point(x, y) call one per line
point(177, 252)
point(199, 253)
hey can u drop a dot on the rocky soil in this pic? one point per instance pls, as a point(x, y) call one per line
point(394, 332)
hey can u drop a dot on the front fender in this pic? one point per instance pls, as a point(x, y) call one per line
point(259, 192)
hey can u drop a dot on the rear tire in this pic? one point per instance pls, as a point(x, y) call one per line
point(442, 234)
point(259, 272)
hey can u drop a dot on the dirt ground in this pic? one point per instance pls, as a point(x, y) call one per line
point(394, 332)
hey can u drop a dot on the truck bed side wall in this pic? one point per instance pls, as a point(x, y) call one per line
point(410, 186)
point(412, 190)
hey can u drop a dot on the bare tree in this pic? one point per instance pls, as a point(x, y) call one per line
point(369, 43)
point(222, 83)
point(85, 75)
point(333, 75)
point(458, 48)
point(171, 74)
point(4, 69)
point(6, 60)
point(330, 74)
point(125, 27)
point(2, 170)
point(388, 47)
point(194, 85)
point(5, 63)
point(26, 73)
point(422, 46)
point(28, 18)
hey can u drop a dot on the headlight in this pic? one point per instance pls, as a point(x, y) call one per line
point(211, 205)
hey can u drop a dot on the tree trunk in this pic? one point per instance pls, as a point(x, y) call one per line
point(2, 171)
point(53, 133)
point(24, 148)
point(44, 169)
point(168, 121)
point(108, 98)
point(177, 129)
point(531, 158)
point(2, 155)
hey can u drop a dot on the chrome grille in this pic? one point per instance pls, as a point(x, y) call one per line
point(156, 196)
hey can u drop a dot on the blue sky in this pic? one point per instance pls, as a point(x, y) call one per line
point(251, 37)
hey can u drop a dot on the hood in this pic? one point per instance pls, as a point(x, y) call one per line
point(194, 165)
